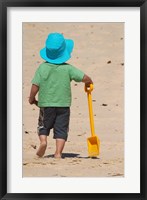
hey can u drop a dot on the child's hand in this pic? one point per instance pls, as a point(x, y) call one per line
point(87, 85)
point(33, 101)
point(33, 93)
point(87, 80)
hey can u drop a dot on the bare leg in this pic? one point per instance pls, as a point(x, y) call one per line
point(59, 147)
point(43, 145)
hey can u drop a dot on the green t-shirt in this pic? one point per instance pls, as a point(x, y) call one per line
point(54, 84)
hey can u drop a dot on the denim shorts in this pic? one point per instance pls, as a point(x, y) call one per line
point(56, 118)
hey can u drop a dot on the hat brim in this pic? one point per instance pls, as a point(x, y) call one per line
point(65, 56)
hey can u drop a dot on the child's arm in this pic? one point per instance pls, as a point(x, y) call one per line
point(33, 93)
point(87, 80)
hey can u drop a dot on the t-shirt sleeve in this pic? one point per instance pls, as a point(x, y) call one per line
point(36, 78)
point(76, 74)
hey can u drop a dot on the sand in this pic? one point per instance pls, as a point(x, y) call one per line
point(99, 52)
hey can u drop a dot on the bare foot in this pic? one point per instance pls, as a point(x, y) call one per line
point(57, 155)
point(59, 147)
point(41, 150)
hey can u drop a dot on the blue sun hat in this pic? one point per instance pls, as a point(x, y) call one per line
point(58, 49)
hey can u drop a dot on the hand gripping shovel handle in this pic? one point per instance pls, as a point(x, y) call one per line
point(89, 90)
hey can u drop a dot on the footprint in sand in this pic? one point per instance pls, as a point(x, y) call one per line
point(118, 174)
point(52, 163)
point(105, 163)
point(25, 163)
point(33, 146)
point(43, 163)
point(104, 104)
point(55, 174)
point(75, 162)
point(81, 134)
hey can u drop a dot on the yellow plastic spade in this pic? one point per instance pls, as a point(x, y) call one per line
point(93, 141)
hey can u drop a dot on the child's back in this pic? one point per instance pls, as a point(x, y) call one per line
point(54, 84)
point(52, 81)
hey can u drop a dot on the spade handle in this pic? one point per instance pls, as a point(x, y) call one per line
point(89, 96)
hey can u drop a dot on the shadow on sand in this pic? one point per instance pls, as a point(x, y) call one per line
point(71, 155)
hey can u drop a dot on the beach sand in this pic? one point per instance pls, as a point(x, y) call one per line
point(99, 52)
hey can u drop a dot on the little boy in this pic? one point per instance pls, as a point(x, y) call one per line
point(52, 81)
